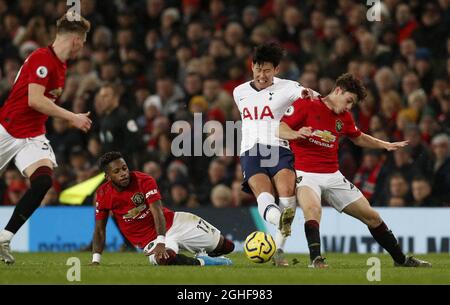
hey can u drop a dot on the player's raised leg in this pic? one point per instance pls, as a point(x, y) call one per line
point(284, 182)
point(310, 203)
point(362, 210)
point(40, 175)
point(261, 187)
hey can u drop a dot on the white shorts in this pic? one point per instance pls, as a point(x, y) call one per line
point(24, 151)
point(335, 188)
point(188, 232)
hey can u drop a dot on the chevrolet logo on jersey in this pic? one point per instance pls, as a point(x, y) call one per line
point(133, 213)
point(324, 135)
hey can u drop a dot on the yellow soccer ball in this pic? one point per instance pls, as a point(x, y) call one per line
point(259, 247)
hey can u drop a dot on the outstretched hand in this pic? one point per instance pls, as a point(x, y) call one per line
point(304, 132)
point(307, 93)
point(395, 145)
point(82, 121)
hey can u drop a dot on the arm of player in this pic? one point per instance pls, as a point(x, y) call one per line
point(285, 132)
point(98, 243)
point(364, 140)
point(39, 102)
point(160, 227)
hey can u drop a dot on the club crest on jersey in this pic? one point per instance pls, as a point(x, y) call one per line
point(289, 111)
point(299, 179)
point(138, 199)
point(42, 72)
point(256, 114)
point(339, 125)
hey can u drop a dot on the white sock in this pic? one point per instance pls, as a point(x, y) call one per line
point(6, 235)
point(285, 202)
point(288, 202)
point(280, 240)
point(268, 209)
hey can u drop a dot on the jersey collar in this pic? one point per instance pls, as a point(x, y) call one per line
point(256, 89)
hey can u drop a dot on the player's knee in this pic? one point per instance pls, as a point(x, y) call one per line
point(312, 211)
point(286, 190)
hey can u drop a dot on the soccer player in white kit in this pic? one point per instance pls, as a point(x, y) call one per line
point(267, 162)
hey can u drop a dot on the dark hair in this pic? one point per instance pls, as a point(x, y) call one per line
point(108, 158)
point(72, 24)
point(114, 87)
point(347, 82)
point(268, 52)
point(419, 178)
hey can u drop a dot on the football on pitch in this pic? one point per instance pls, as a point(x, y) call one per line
point(259, 247)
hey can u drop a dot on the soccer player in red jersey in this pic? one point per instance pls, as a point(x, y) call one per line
point(313, 128)
point(134, 199)
point(32, 99)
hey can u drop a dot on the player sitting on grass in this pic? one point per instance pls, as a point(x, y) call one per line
point(135, 201)
point(313, 128)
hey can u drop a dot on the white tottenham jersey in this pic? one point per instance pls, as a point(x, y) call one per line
point(261, 111)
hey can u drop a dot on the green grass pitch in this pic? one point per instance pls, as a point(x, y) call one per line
point(133, 268)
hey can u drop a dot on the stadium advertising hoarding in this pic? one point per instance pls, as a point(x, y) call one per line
point(420, 230)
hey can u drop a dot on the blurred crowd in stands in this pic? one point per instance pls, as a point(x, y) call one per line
point(149, 63)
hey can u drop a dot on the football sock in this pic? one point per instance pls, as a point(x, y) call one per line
point(288, 202)
point(313, 237)
point(41, 182)
point(268, 209)
point(279, 239)
point(227, 247)
point(181, 259)
point(388, 241)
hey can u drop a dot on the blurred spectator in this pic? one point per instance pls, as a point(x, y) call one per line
point(421, 191)
point(63, 138)
point(405, 21)
point(180, 195)
point(221, 196)
point(441, 167)
point(399, 187)
point(161, 54)
point(396, 202)
point(118, 131)
point(15, 191)
point(420, 152)
point(367, 175)
point(216, 175)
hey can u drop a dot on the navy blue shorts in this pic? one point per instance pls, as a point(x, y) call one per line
point(264, 159)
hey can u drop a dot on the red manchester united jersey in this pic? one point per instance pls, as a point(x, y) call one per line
point(44, 68)
point(131, 209)
point(318, 153)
